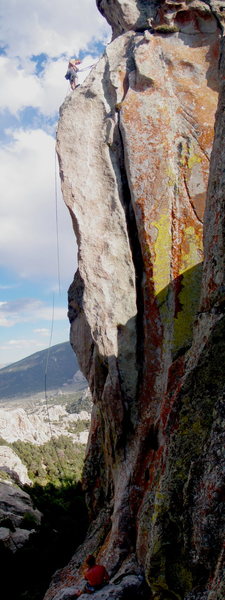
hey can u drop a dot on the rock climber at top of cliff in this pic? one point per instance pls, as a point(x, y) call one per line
point(72, 71)
point(95, 575)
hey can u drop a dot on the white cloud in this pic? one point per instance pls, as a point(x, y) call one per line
point(28, 210)
point(42, 331)
point(4, 322)
point(19, 88)
point(29, 310)
point(41, 26)
point(59, 31)
point(45, 93)
point(53, 87)
point(20, 342)
point(22, 88)
point(16, 349)
point(7, 287)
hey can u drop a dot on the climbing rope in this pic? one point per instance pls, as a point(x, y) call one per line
point(86, 68)
point(52, 324)
point(50, 343)
point(46, 396)
point(57, 226)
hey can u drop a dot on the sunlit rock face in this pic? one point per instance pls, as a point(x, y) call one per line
point(134, 145)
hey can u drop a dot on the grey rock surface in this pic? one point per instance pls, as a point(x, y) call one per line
point(15, 508)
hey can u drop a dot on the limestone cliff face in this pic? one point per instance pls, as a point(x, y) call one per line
point(134, 145)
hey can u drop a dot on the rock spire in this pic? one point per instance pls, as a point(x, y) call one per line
point(134, 145)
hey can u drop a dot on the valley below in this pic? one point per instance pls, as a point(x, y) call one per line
point(43, 437)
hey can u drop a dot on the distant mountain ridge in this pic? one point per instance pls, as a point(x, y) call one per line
point(27, 376)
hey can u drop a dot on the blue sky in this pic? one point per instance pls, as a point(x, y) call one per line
point(36, 40)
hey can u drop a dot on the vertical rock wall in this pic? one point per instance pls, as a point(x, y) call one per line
point(134, 144)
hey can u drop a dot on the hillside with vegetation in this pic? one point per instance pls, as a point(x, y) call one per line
point(43, 435)
point(55, 470)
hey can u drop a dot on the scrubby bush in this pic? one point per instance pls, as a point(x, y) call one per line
point(56, 460)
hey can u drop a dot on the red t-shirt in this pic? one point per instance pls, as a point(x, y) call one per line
point(96, 575)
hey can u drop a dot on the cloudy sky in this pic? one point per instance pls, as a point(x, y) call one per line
point(36, 39)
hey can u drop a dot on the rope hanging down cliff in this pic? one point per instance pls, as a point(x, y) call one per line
point(46, 397)
point(57, 226)
point(52, 322)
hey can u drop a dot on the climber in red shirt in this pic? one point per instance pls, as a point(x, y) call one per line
point(95, 575)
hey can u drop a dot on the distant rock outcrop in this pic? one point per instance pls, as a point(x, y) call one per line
point(134, 144)
point(39, 427)
point(10, 463)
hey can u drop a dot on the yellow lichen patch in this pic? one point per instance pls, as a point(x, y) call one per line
point(189, 303)
point(171, 176)
point(187, 286)
point(193, 160)
point(161, 505)
point(162, 249)
point(165, 28)
point(192, 243)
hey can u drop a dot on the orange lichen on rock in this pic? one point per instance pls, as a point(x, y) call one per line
point(168, 131)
